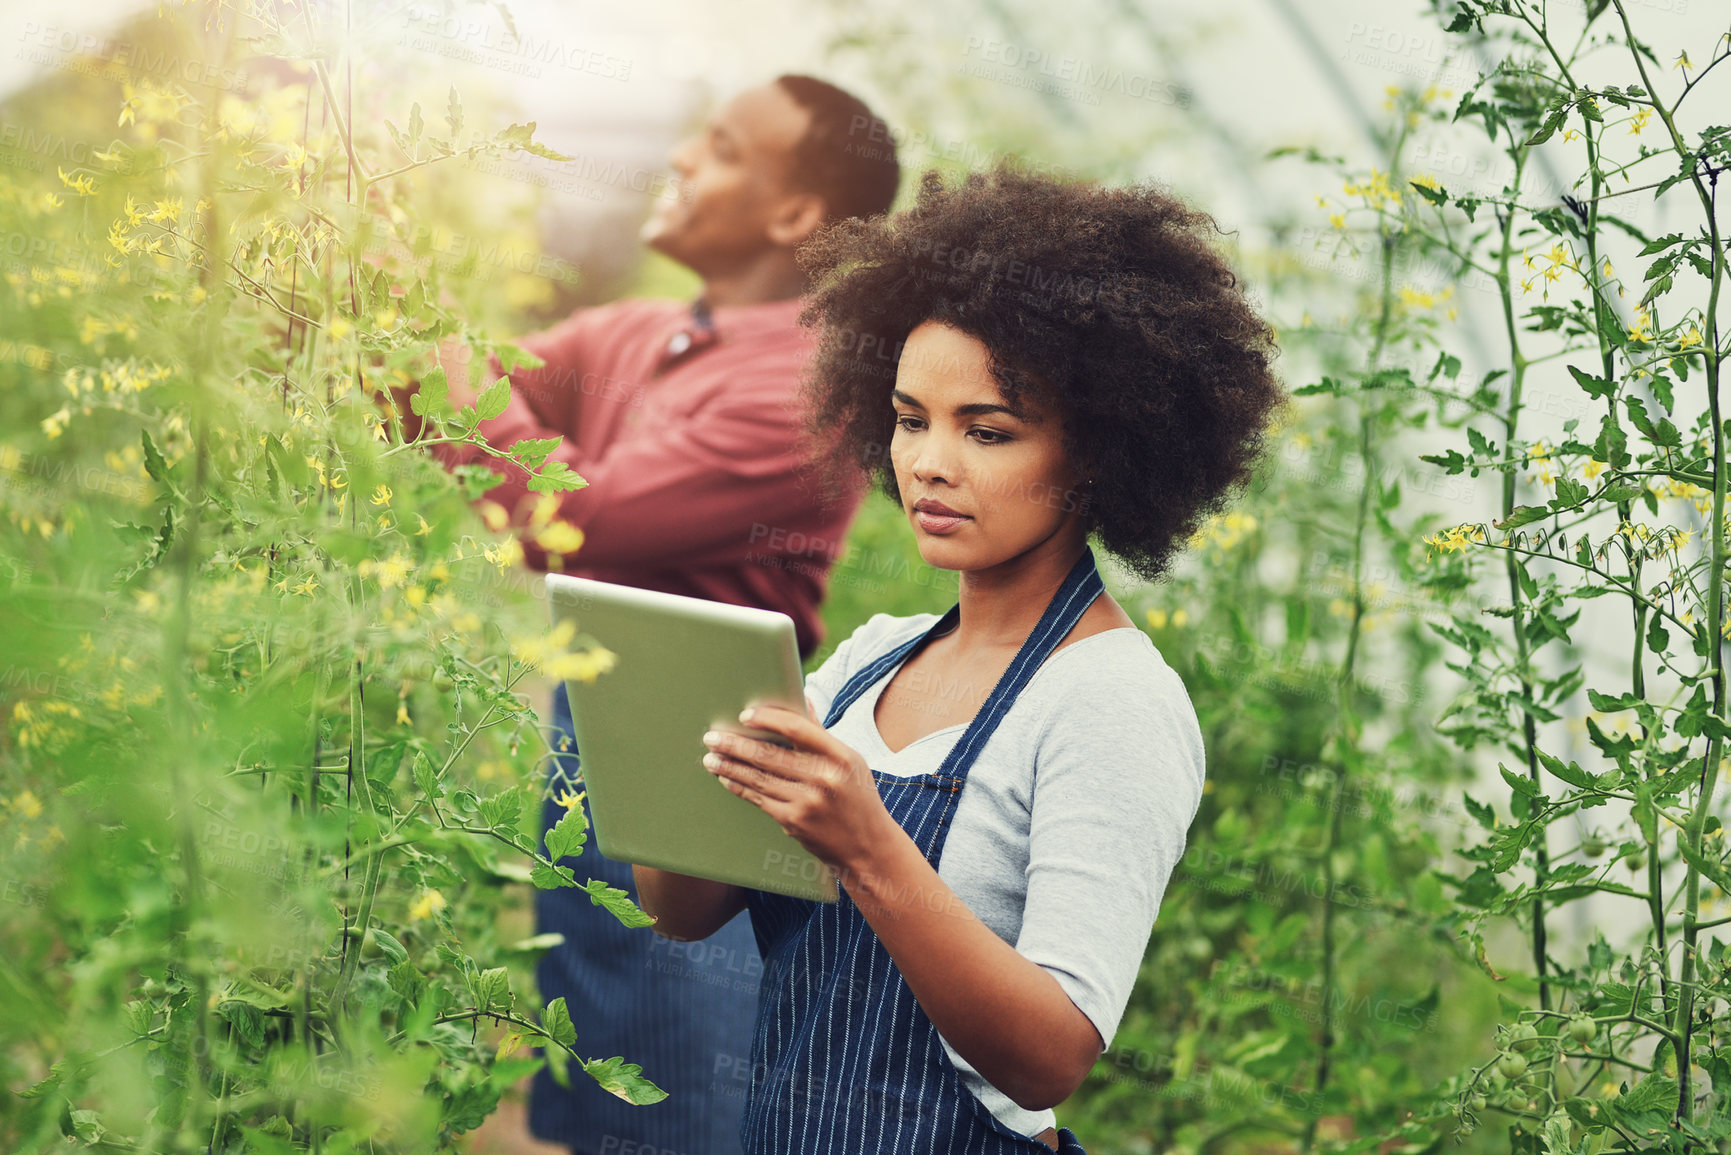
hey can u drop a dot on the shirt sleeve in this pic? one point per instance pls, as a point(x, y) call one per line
point(1117, 782)
point(682, 494)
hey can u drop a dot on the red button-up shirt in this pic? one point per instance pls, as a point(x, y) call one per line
point(690, 445)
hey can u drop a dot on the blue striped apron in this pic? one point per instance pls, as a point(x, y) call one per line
point(843, 1059)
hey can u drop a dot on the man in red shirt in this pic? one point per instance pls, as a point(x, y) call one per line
point(684, 421)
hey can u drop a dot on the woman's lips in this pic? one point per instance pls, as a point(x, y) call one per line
point(938, 523)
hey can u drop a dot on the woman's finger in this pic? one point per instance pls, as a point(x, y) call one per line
point(794, 765)
point(805, 733)
point(760, 781)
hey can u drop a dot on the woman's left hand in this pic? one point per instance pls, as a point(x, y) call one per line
point(820, 792)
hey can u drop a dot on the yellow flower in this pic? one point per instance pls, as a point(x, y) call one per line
point(1643, 329)
point(550, 656)
point(1639, 121)
point(1593, 468)
point(430, 902)
point(425, 528)
point(1338, 220)
point(55, 423)
point(1157, 619)
point(1690, 338)
point(1682, 61)
point(1457, 539)
point(390, 572)
point(27, 804)
point(567, 799)
point(82, 185)
point(506, 555)
point(561, 537)
point(402, 712)
point(382, 495)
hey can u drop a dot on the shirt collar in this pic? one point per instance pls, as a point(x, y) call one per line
point(705, 325)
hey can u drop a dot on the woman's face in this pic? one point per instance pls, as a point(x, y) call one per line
point(957, 443)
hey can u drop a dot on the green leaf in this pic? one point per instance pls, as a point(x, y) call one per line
point(521, 136)
point(555, 477)
point(1435, 196)
point(493, 990)
point(454, 115)
point(1612, 444)
point(1658, 638)
point(625, 1080)
point(1652, 1092)
point(416, 125)
point(616, 902)
point(537, 942)
point(430, 399)
point(515, 357)
point(494, 399)
point(1569, 772)
point(552, 877)
point(1552, 122)
point(1595, 386)
point(1711, 867)
point(388, 943)
point(427, 777)
point(532, 451)
point(407, 982)
point(1520, 783)
point(154, 464)
point(1523, 515)
point(568, 835)
point(556, 1021)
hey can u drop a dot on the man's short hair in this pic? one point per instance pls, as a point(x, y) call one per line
point(846, 155)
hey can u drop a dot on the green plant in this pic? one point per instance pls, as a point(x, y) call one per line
point(270, 770)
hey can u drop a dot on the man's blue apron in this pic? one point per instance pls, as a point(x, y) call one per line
point(682, 1011)
point(844, 1061)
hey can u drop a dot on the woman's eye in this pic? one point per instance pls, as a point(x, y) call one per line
point(996, 438)
point(902, 423)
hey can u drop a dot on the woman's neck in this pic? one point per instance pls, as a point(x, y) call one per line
point(1001, 606)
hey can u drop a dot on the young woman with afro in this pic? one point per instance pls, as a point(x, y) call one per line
point(1002, 791)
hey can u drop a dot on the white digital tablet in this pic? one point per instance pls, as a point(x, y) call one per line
point(685, 665)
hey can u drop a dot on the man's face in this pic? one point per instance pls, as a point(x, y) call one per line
point(734, 178)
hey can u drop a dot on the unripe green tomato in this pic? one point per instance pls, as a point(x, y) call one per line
point(1582, 1029)
point(1635, 861)
point(1512, 1066)
point(1478, 1102)
point(1592, 846)
point(1523, 1037)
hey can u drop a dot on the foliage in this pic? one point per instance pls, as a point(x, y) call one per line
point(269, 771)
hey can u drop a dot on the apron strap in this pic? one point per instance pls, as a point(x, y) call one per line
point(1080, 588)
point(1066, 608)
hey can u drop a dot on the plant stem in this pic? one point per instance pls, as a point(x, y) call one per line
point(1683, 1022)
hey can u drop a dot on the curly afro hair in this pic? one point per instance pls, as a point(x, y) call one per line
point(1106, 303)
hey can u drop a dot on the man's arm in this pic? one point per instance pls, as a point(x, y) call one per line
point(686, 494)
